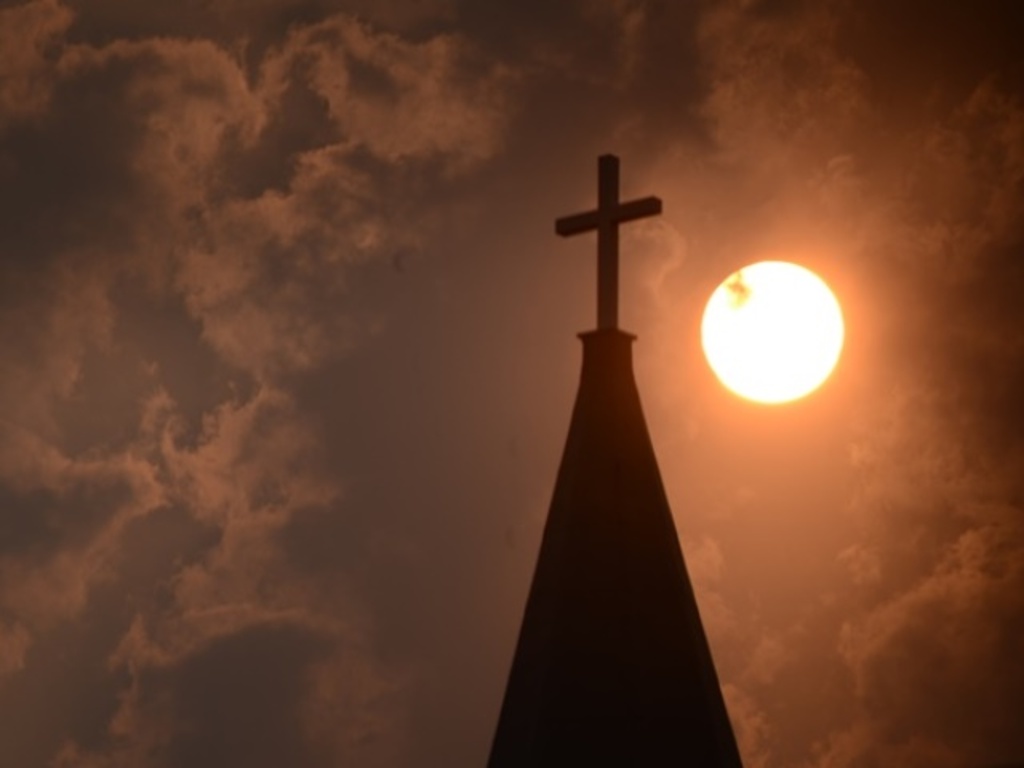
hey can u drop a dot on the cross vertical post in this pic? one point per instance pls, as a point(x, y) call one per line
point(607, 243)
point(606, 219)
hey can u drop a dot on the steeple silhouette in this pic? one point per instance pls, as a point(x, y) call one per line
point(612, 667)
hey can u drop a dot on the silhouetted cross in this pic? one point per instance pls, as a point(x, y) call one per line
point(606, 219)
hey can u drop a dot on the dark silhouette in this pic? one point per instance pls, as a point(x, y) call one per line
point(606, 219)
point(612, 667)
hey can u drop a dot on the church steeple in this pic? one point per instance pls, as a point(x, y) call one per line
point(612, 667)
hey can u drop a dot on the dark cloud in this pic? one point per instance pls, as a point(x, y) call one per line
point(173, 242)
point(238, 700)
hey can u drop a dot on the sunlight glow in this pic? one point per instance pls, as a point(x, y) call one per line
point(772, 332)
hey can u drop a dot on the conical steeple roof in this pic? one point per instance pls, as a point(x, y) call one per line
point(612, 666)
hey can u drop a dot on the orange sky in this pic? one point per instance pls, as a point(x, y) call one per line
point(288, 355)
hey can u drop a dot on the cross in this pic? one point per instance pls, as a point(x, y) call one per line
point(606, 219)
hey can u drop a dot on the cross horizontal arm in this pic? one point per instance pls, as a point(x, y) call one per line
point(584, 222)
point(638, 209)
point(579, 222)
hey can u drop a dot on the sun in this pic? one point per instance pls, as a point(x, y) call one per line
point(772, 332)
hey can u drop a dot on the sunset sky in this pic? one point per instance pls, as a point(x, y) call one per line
point(288, 351)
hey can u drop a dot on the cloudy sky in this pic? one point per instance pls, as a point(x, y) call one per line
point(288, 352)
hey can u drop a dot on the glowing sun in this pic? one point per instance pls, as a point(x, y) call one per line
point(772, 332)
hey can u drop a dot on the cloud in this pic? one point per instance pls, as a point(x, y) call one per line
point(780, 93)
point(90, 501)
point(938, 567)
point(399, 100)
point(14, 642)
point(944, 604)
point(251, 471)
point(750, 726)
point(914, 211)
point(28, 35)
point(960, 204)
point(269, 694)
point(178, 227)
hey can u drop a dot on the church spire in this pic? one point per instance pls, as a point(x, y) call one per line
point(612, 667)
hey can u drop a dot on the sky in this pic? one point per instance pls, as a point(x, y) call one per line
point(288, 353)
